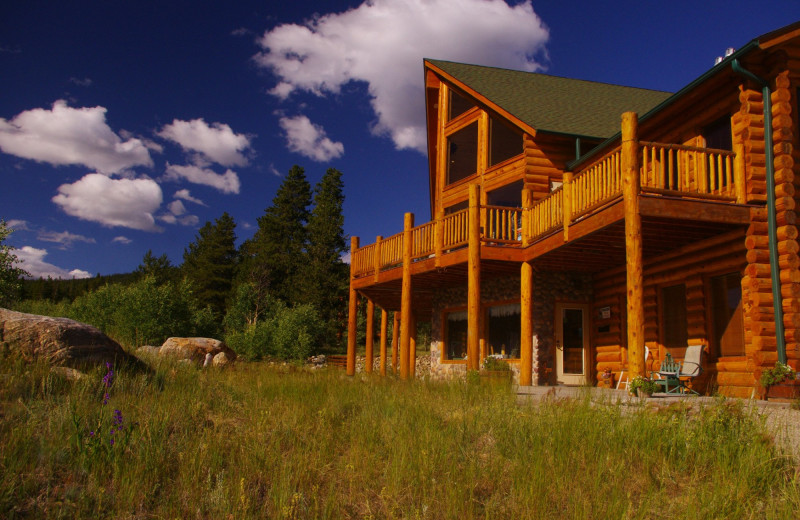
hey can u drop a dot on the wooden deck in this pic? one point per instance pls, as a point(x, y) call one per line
point(686, 195)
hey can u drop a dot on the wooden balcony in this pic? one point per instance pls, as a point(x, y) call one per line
point(686, 193)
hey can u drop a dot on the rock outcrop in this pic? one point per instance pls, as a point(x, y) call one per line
point(59, 341)
point(196, 349)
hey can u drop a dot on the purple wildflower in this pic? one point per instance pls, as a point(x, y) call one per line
point(111, 442)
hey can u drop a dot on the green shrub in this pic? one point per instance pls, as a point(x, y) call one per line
point(288, 333)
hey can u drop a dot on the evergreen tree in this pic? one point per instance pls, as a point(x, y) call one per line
point(326, 276)
point(277, 252)
point(210, 263)
point(160, 268)
point(10, 274)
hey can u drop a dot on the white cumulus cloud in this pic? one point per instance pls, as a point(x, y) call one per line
point(216, 142)
point(185, 195)
point(66, 135)
point(65, 239)
point(112, 202)
point(306, 138)
point(227, 182)
point(32, 260)
point(121, 240)
point(383, 42)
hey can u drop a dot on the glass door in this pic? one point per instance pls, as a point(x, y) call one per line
point(571, 341)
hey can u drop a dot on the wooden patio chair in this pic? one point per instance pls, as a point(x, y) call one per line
point(692, 367)
point(668, 375)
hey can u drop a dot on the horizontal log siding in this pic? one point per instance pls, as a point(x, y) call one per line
point(716, 256)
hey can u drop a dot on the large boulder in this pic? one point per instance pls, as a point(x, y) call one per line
point(196, 349)
point(59, 341)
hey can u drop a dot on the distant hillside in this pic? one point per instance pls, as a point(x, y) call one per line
point(57, 290)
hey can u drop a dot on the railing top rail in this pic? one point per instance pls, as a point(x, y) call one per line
point(512, 208)
point(686, 148)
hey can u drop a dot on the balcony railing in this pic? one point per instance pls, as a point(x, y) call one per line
point(664, 169)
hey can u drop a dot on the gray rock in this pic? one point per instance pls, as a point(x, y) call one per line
point(195, 349)
point(59, 341)
point(220, 360)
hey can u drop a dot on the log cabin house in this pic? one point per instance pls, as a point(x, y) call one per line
point(575, 223)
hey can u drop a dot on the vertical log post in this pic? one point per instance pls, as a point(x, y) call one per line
point(395, 339)
point(377, 264)
point(739, 182)
point(384, 319)
point(567, 202)
point(368, 354)
point(633, 243)
point(526, 325)
point(527, 204)
point(474, 279)
point(405, 298)
point(438, 238)
point(412, 347)
point(352, 315)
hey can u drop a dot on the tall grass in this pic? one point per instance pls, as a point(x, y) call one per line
point(264, 442)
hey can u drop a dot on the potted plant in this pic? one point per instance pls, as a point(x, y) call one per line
point(642, 386)
point(779, 382)
point(494, 367)
point(607, 378)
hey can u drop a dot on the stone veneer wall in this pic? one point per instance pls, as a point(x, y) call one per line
point(549, 287)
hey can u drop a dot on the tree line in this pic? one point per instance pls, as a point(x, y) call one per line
point(282, 293)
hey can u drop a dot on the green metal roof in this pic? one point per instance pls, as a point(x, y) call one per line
point(554, 104)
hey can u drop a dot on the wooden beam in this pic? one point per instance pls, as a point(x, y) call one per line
point(352, 315)
point(384, 319)
point(474, 279)
point(368, 355)
point(633, 243)
point(526, 325)
point(405, 298)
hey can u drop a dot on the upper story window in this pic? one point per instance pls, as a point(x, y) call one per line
point(458, 105)
point(462, 153)
point(504, 142)
point(509, 195)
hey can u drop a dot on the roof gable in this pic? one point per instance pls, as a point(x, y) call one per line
point(553, 104)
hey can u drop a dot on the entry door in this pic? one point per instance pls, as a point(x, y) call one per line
point(572, 340)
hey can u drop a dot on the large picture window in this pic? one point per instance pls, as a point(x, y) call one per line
point(455, 334)
point(504, 142)
point(504, 329)
point(726, 309)
point(674, 326)
point(462, 153)
point(458, 105)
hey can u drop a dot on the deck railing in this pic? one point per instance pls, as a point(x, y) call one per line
point(502, 225)
point(454, 229)
point(664, 169)
point(596, 184)
point(687, 170)
point(422, 239)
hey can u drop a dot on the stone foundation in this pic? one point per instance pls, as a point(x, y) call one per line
point(549, 287)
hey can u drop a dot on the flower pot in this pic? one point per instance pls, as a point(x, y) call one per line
point(783, 392)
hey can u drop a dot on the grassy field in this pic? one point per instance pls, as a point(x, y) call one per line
point(257, 441)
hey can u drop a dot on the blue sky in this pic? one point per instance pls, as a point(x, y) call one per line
point(125, 126)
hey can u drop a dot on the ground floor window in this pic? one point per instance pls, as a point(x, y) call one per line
point(503, 331)
point(455, 335)
point(726, 311)
point(674, 326)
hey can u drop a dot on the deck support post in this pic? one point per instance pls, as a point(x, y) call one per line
point(369, 348)
point(739, 179)
point(567, 202)
point(526, 325)
point(352, 315)
point(377, 259)
point(633, 243)
point(412, 346)
point(527, 204)
point(384, 319)
point(438, 238)
point(474, 279)
point(405, 297)
point(395, 339)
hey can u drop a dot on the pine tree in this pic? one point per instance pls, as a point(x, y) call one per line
point(326, 276)
point(210, 263)
point(159, 267)
point(278, 249)
point(10, 274)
